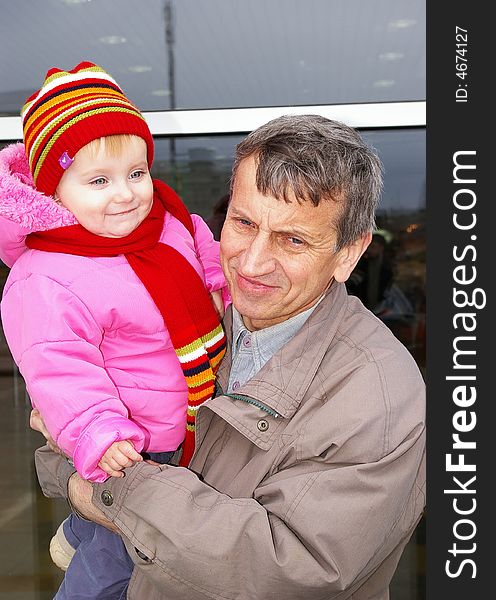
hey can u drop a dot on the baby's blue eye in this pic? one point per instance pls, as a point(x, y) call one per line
point(137, 174)
point(99, 181)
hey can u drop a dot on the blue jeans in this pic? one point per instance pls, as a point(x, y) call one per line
point(101, 567)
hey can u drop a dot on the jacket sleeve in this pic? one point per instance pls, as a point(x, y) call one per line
point(202, 544)
point(55, 341)
point(310, 531)
point(208, 252)
point(12, 240)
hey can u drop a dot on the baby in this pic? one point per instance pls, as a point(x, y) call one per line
point(108, 311)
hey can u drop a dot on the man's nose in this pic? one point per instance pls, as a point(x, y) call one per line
point(258, 258)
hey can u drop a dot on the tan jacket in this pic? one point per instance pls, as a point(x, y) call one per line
point(311, 477)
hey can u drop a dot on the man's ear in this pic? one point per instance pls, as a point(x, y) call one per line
point(349, 256)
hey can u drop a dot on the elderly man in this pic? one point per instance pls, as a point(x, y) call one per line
point(308, 475)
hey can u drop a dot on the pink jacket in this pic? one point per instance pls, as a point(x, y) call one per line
point(88, 339)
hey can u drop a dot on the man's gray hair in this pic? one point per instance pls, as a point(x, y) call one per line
point(317, 159)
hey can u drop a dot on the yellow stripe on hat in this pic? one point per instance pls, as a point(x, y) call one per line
point(70, 123)
point(69, 99)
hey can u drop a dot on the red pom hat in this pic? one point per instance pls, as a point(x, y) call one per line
point(71, 109)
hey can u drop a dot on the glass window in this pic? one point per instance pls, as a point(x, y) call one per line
point(199, 168)
point(390, 279)
point(188, 54)
point(398, 251)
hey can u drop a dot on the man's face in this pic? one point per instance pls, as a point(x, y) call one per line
point(279, 257)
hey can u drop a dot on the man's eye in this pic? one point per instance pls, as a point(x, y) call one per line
point(244, 222)
point(295, 241)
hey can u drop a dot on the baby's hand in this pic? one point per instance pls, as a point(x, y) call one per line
point(218, 302)
point(119, 456)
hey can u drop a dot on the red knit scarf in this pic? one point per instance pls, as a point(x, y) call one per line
point(173, 284)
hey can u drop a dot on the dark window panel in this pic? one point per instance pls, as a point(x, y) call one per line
point(192, 54)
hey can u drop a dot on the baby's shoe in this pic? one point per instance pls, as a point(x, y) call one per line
point(60, 549)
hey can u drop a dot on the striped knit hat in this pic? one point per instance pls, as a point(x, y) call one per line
point(71, 109)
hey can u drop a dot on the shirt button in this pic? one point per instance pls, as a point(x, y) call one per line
point(262, 425)
point(247, 341)
point(107, 498)
point(236, 385)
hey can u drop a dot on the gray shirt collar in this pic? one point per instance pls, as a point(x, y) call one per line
point(266, 342)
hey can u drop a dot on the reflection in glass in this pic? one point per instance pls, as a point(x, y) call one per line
point(191, 54)
point(199, 168)
point(393, 268)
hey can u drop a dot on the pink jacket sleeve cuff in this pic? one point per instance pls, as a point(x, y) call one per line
point(97, 438)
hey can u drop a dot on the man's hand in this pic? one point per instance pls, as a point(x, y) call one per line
point(118, 456)
point(36, 422)
point(218, 303)
point(80, 492)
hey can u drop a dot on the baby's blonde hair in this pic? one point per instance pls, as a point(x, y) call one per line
point(113, 145)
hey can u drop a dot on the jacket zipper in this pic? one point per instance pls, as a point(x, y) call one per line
point(251, 401)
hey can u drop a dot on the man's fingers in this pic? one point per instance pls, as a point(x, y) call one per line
point(218, 302)
point(36, 422)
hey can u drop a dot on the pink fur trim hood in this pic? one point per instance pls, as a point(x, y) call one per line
point(20, 201)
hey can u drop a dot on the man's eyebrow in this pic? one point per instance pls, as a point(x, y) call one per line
point(238, 213)
point(284, 230)
point(295, 232)
point(235, 211)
